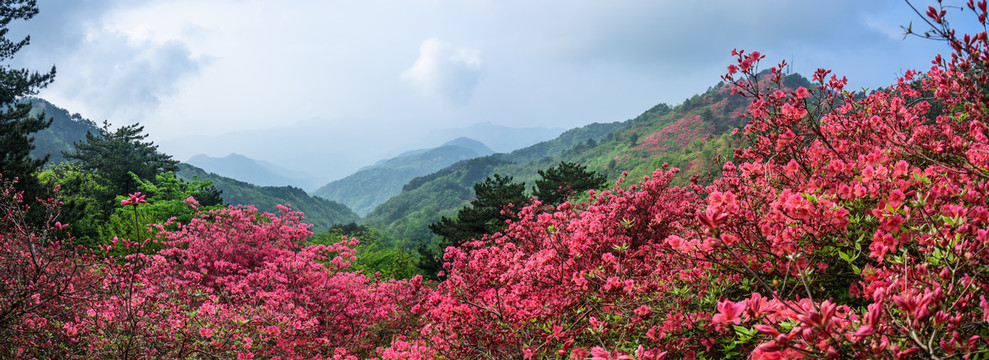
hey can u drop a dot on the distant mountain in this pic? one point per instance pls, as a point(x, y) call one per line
point(65, 129)
point(318, 211)
point(500, 138)
point(257, 172)
point(694, 136)
point(324, 150)
point(375, 184)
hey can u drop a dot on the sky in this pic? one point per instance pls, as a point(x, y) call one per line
point(375, 77)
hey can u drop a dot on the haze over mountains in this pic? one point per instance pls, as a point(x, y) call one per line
point(323, 152)
point(373, 185)
point(257, 172)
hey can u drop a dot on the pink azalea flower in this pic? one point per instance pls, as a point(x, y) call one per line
point(134, 199)
point(729, 312)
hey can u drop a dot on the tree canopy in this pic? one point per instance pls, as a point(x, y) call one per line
point(16, 124)
point(113, 155)
point(498, 199)
point(564, 180)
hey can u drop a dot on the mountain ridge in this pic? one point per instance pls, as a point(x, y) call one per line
point(257, 172)
point(375, 184)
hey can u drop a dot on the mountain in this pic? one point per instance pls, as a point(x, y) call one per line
point(424, 199)
point(322, 148)
point(375, 184)
point(65, 129)
point(687, 136)
point(500, 138)
point(257, 172)
point(318, 211)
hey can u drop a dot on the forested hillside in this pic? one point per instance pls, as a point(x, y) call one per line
point(65, 130)
point(693, 136)
point(425, 199)
point(318, 211)
point(373, 185)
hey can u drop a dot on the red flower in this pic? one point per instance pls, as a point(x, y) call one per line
point(729, 312)
point(134, 199)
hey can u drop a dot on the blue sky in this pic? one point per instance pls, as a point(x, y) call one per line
point(377, 75)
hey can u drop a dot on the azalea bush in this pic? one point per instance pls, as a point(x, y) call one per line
point(229, 283)
point(237, 283)
point(850, 227)
point(44, 281)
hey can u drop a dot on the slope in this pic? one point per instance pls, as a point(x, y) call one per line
point(64, 130)
point(687, 136)
point(320, 212)
point(425, 199)
point(257, 172)
point(373, 185)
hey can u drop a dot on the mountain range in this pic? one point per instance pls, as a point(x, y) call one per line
point(257, 172)
point(320, 212)
point(322, 150)
point(365, 189)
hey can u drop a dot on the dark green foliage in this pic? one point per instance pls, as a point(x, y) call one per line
point(563, 181)
point(498, 200)
point(318, 211)
point(113, 155)
point(425, 199)
point(16, 125)
point(65, 130)
point(166, 197)
point(78, 190)
point(376, 252)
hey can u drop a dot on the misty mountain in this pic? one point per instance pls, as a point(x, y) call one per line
point(375, 184)
point(65, 129)
point(321, 149)
point(257, 172)
point(501, 139)
point(423, 200)
point(318, 211)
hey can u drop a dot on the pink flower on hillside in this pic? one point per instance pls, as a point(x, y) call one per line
point(729, 312)
point(802, 92)
point(134, 199)
point(206, 332)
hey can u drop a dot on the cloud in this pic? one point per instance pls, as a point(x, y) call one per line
point(446, 71)
point(124, 78)
point(104, 71)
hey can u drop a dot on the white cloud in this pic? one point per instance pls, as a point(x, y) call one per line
point(446, 71)
point(105, 70)
point(122, 78)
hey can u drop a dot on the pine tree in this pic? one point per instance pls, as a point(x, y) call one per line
point(16, 124)
point(563, 181)
point(113, 155)
point(482, 216)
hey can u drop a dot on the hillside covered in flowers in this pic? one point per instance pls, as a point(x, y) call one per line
point(846, 226)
